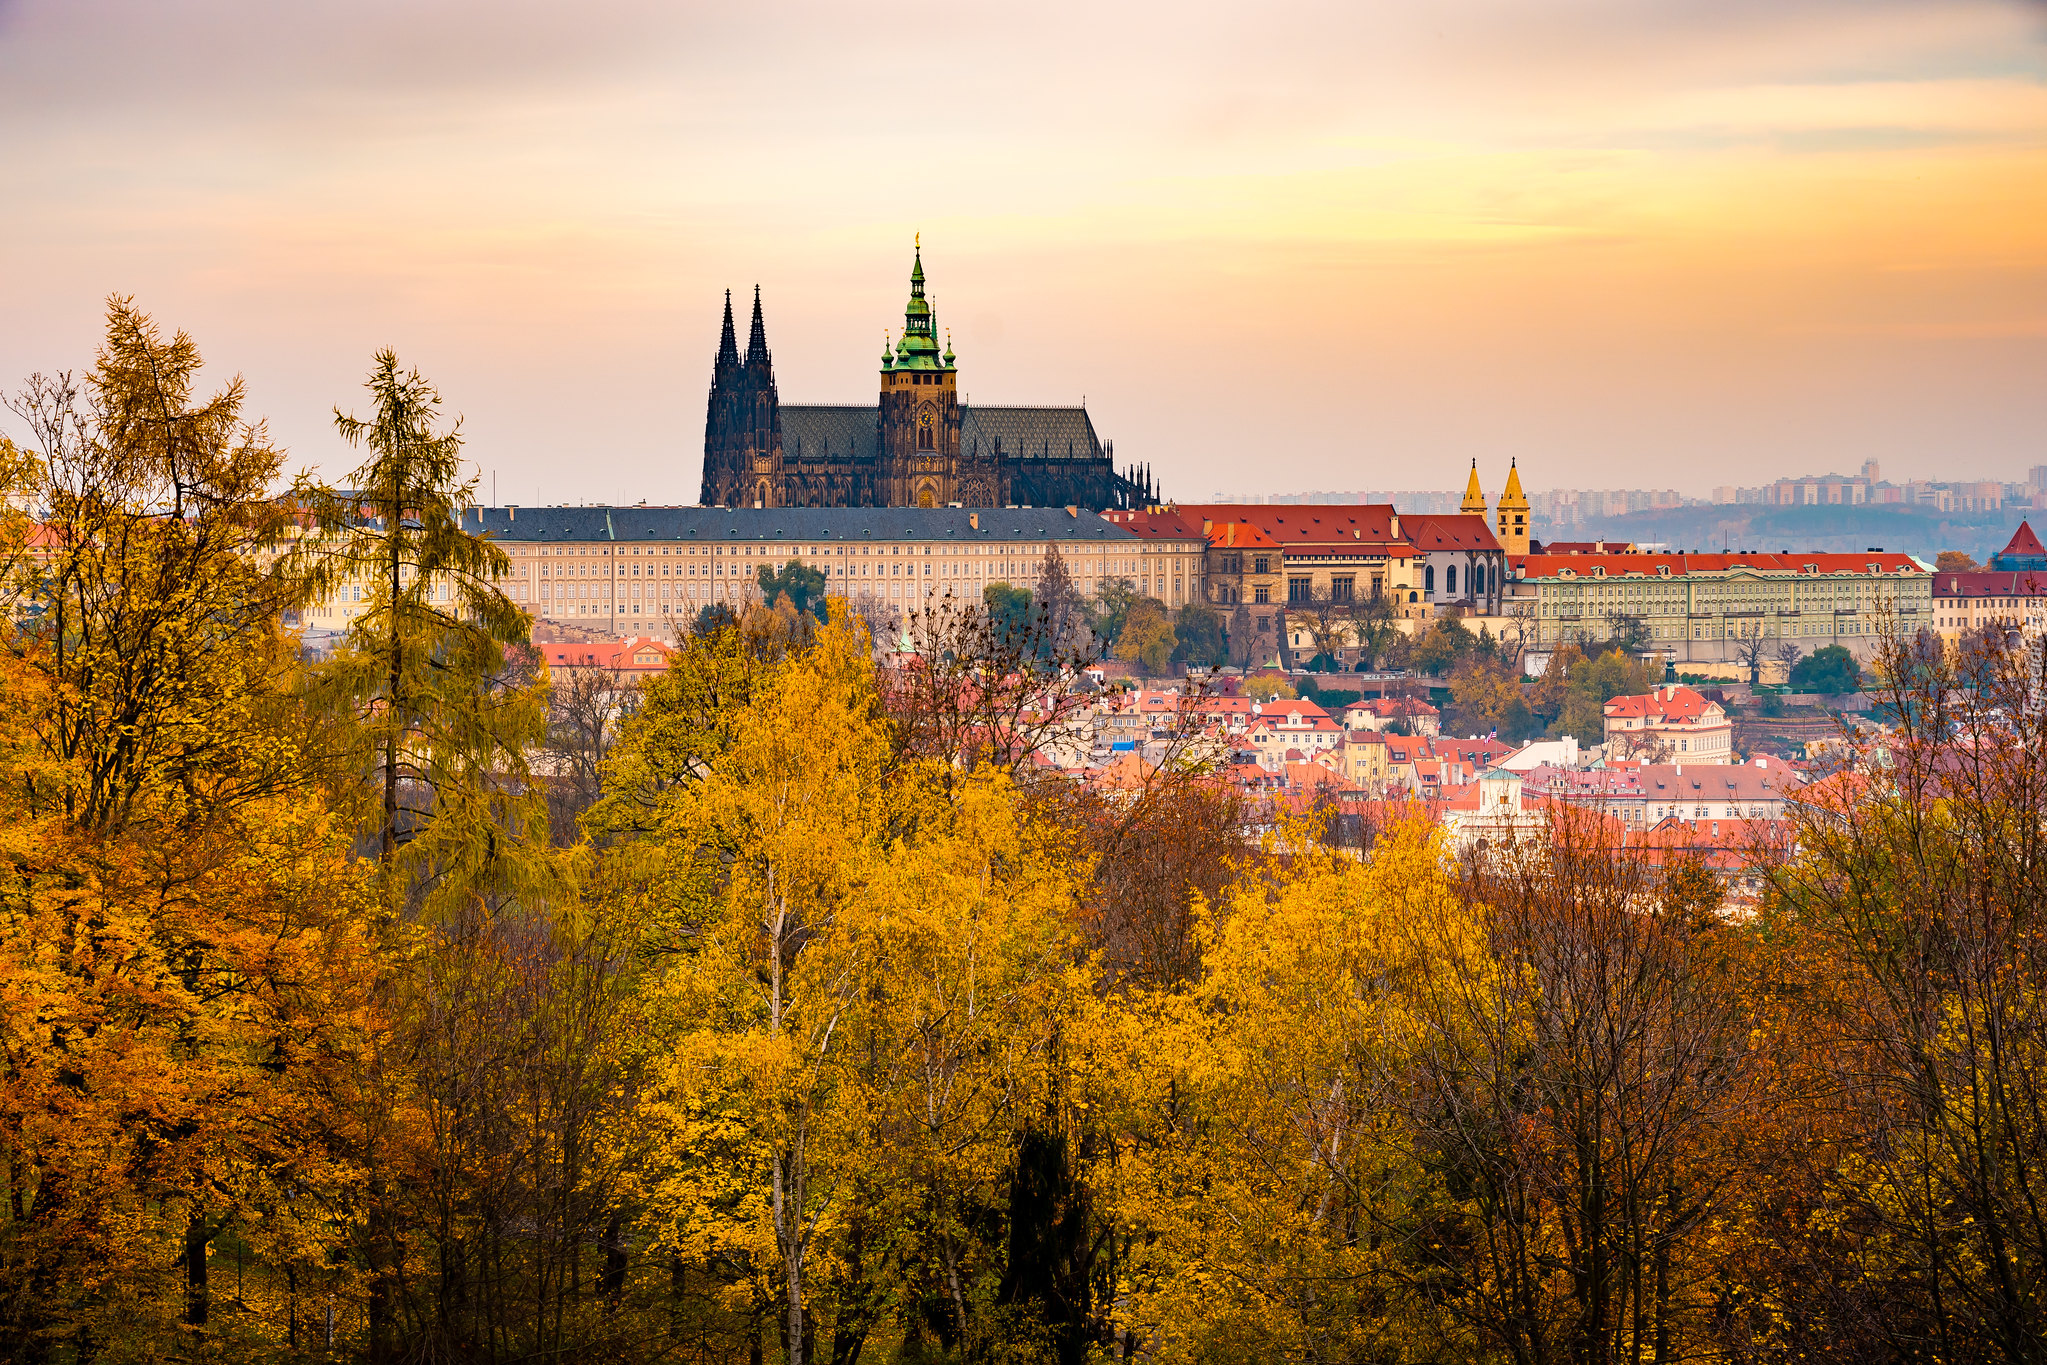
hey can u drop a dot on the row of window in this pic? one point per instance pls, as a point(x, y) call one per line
point(1476, 582)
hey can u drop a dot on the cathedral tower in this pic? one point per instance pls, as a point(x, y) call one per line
point(1513, 514)
point(725, 421)
point(920, 414)
point(763, 417)
point(743, 427)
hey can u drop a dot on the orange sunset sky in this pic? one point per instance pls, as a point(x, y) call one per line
point(1277, 247)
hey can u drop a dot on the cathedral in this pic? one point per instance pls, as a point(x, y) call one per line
point(919, 446)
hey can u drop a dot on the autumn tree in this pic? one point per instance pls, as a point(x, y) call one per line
point(445, 718)
point(1487, 699)
point(187, 947)
point(587, 706)
point(1587, 1031)
point(1920, 873)
point(1276, 1206)
point(1066, 627)
point(1198, 637)
point(1009, 608)
point(977, 689)
point(1146, 638)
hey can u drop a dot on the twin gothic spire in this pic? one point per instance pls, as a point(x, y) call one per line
point(756, 342)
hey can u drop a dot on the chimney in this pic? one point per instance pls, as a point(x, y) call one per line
point(512, 512)
point(1072, 511)
point(974, 520)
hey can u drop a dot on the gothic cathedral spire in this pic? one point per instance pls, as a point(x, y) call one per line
point(728, 343)
point(743, 427)
point(757, 339)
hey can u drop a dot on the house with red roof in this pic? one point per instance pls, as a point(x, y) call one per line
point(1640, 797)
point(1298, 726)
point(636, 656)
point(1383, 713)
point(1673, 723)
point(2009, 595)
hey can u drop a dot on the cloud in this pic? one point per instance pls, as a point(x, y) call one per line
point(1445, 215)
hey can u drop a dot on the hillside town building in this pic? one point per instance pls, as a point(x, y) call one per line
point(2008, 594)
point(1672, 724)
point(1703, 608)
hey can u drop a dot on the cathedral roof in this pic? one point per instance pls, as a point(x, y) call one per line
point(1029, 433)
point(852, 431)
point(831, 431)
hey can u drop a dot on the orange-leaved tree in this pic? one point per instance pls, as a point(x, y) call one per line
point(182, 936)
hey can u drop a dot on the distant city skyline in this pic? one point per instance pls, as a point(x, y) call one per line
point(1681, 245)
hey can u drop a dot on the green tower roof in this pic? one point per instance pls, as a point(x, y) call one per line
point(919, 350)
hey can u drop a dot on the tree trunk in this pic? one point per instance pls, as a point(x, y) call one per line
point(196, 1294)
point(612, 1283)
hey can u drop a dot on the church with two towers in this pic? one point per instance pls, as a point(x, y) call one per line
point(919, 445)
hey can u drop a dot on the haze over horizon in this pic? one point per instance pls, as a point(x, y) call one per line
point(1296, 247)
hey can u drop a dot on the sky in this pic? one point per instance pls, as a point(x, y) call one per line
point(1273, 247)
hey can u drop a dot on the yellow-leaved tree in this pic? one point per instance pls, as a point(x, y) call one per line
point(872, 966)
point(1268, 1184)
point(783, 832)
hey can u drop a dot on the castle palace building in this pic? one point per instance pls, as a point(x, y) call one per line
point(919, 446)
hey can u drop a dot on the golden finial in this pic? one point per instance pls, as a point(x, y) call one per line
point(918, 238)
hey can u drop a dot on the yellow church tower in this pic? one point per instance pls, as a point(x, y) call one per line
point(1513, 514)
point(1474, 496)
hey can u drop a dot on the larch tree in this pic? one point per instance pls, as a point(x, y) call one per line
point(429, 669)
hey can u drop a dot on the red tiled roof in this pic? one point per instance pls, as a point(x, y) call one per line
point(1464, 531)
point(1583, 547)
point(1353, 525)
point(1485, 752)
point(1991, 583)
point(617, 654)
point(2024, 542)
point(1673, 703)
point(1237, 535)
point(1618, 565)
point(1314, 775)
point(1150, 525)
point(1393, 708)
